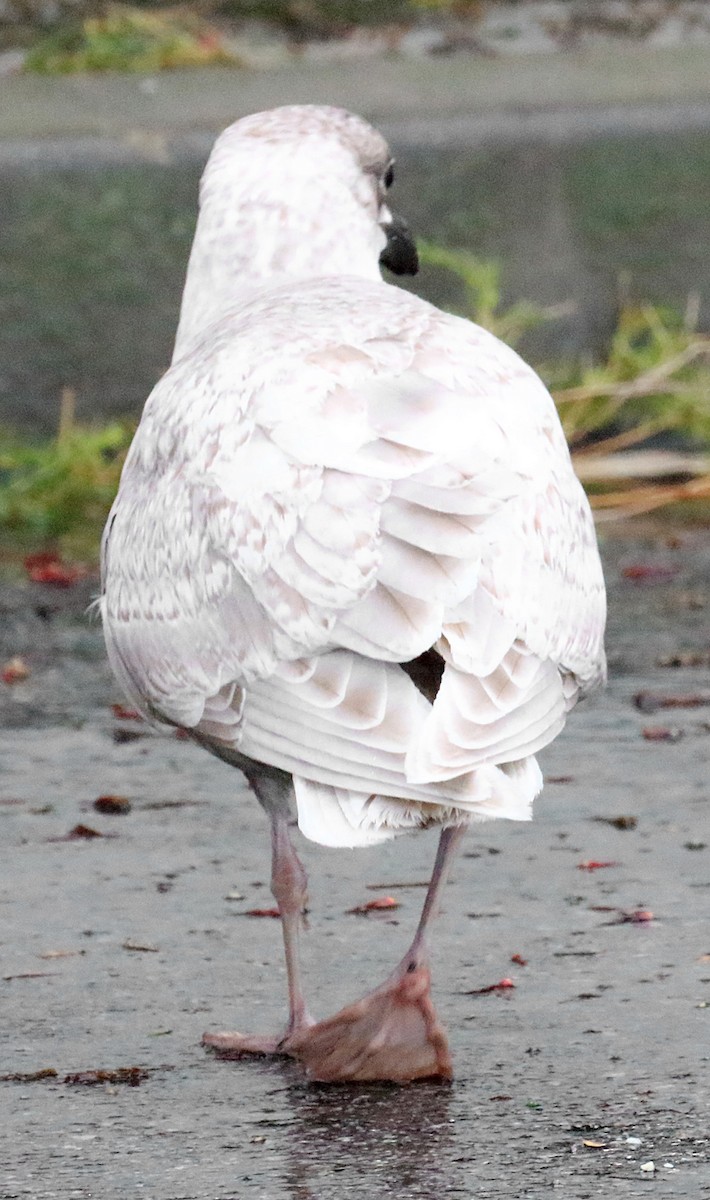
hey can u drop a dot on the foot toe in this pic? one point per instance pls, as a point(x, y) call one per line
point(239, 1045)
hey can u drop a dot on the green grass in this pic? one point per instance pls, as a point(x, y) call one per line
point(654, 378)
point(128, 39)
point(57, 492)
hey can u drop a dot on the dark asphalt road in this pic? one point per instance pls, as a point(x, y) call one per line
point(594, 1066)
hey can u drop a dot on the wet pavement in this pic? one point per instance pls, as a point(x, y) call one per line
point(118, 951)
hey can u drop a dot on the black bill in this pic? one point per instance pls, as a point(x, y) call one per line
point(400, 254)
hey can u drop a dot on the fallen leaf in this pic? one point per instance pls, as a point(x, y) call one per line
point(575, 953)
point(15, 670)
point(139, 946)
point(261, 912)
point(638, 916)
point(80, 833)
point(133, 1076)
point(158, 804)
point(594, 865)
point(518, 958)
point(650, 702)
point(29, 1076)
point(661, 733)
point(377, 905)
point(61, 953)
point(685, 658)
point(122, 736)
point(500, 1097)
point(503, 985)
point(112, 805)
point(47, 567)
point(649, 572)
point(29, 975)
point(122, 713)
point(594, 1145)
point(619, 822)
point(635, 916)
point(380, 887)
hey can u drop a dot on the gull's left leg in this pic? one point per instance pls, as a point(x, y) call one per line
point(392, 1033)
point(289, 887)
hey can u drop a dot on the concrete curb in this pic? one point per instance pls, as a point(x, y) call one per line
point(461, 97)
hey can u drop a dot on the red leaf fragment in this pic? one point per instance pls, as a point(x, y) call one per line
point(84, 831)
point(649, 572)
point(639, 916)
point(379, 904)
point(594, 864)
point(650, 702)
point(113, 805)
point(661, 733)
point(519, 960)
point(625, 916)
point(636, 916)
point(80, 833)
point(122, 713)
point(15, 670)
point(48, 567)
point(503, 985)
point(262, 912)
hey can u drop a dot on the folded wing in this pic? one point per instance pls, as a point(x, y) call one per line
point(346, 512)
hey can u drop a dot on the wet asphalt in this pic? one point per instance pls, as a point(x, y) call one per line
point(587, 1078)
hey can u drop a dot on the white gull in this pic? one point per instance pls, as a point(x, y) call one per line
point(349, 552)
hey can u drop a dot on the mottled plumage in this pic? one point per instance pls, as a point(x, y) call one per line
point(333, 479)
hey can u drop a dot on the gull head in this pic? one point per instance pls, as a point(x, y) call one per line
point(292, 193)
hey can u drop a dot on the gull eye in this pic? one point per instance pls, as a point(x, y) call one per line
point(388, 178)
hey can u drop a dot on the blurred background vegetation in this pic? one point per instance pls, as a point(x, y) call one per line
point(69, 35)
point(146, 35)
point(592, 256)
point(654, 379)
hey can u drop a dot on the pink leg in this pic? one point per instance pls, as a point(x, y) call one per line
point(392, 1033)
point(289, 887)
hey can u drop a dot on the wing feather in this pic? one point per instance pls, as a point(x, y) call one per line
point(301, 511)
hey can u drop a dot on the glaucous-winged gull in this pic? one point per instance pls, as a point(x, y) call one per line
point(349, 553)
